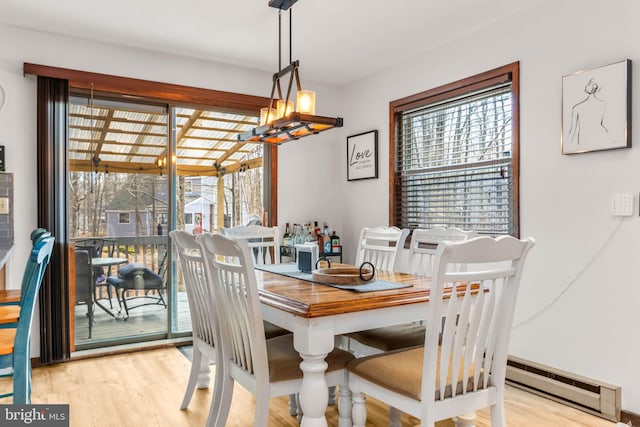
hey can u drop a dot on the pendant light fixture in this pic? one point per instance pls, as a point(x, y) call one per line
point(281, 120)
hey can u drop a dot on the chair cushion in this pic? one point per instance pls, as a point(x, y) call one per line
point(391, 338)
point(401, 372)
point(284, 360)
point(127, 270)
point(127, 273)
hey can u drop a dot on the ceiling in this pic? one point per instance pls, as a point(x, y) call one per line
point(336, 41)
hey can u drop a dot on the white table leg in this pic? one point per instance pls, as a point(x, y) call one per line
point(313, 392)
point(465, 420)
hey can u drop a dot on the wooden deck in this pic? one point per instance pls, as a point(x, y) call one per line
point(146, 320)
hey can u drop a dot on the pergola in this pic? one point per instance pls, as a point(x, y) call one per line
point(120, 137)
point(113, 136)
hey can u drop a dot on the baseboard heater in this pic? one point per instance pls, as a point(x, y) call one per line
point(579, 392)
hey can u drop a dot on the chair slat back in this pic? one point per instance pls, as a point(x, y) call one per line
point(476, 320)
point(380, 246)
point(202, 308)
point(264, 241)
point(424, 243)
point(230, 271)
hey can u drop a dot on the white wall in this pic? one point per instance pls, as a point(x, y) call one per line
point(577, 304)
point(577, 309)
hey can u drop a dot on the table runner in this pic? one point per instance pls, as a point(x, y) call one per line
point(291, 270)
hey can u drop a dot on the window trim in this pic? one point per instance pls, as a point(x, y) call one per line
point(509, 72)
point(120, 217)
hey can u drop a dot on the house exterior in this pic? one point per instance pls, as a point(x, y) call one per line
point(128, 215)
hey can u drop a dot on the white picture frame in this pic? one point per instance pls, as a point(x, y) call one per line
point(596, 109)
point(362, 156)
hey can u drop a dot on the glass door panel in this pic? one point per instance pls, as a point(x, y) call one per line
point(219, 179)
point(118, 210)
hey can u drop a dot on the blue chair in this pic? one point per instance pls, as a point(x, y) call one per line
point(15, 358)
point(10, 311)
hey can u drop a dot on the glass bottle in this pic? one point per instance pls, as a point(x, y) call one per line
point(286, 239)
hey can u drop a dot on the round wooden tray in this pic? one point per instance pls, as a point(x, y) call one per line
point(343, 275)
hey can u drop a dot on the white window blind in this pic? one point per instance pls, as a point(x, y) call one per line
point(454, 164)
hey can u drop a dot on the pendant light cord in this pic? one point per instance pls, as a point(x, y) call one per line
point(279, 39)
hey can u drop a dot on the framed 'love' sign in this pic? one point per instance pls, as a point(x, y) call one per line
point(362, 156)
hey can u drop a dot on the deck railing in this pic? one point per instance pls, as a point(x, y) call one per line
point(150, 251)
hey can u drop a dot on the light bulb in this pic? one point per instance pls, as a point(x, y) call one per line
point(282, 111)
point(306, 102)
point(267, 115)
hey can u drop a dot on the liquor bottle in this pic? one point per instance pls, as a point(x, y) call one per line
point(286, 239)
point(335, 243)
point(326, 240)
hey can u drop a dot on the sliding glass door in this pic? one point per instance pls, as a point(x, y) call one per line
point(135, 171)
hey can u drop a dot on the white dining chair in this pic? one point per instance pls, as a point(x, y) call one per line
point(422, 249)
point(461, 367)
point(424, 243)
point(380, 246)
point(204, 320)
point(264, 241)
point(267, 368)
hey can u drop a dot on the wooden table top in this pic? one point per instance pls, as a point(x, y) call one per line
point(307, 299)
point(106, 261)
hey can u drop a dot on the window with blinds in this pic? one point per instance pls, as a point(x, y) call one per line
point(456, 158)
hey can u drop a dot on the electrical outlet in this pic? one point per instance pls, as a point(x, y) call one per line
point(4, 205)
point(622, 204)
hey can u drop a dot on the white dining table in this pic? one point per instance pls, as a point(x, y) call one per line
point(317, 313)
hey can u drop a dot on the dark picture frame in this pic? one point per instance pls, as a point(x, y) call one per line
point(596, 109)
point(362, 156)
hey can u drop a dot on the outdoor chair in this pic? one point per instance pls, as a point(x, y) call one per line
point(138, 278)
point(84, 289)
point(100, 247)
point(267, 368)
point(461, 366)
point(15, 354)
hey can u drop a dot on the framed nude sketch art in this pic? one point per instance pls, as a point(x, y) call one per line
point(596, 109)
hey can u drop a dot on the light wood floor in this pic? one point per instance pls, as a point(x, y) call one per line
point(145, 388)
